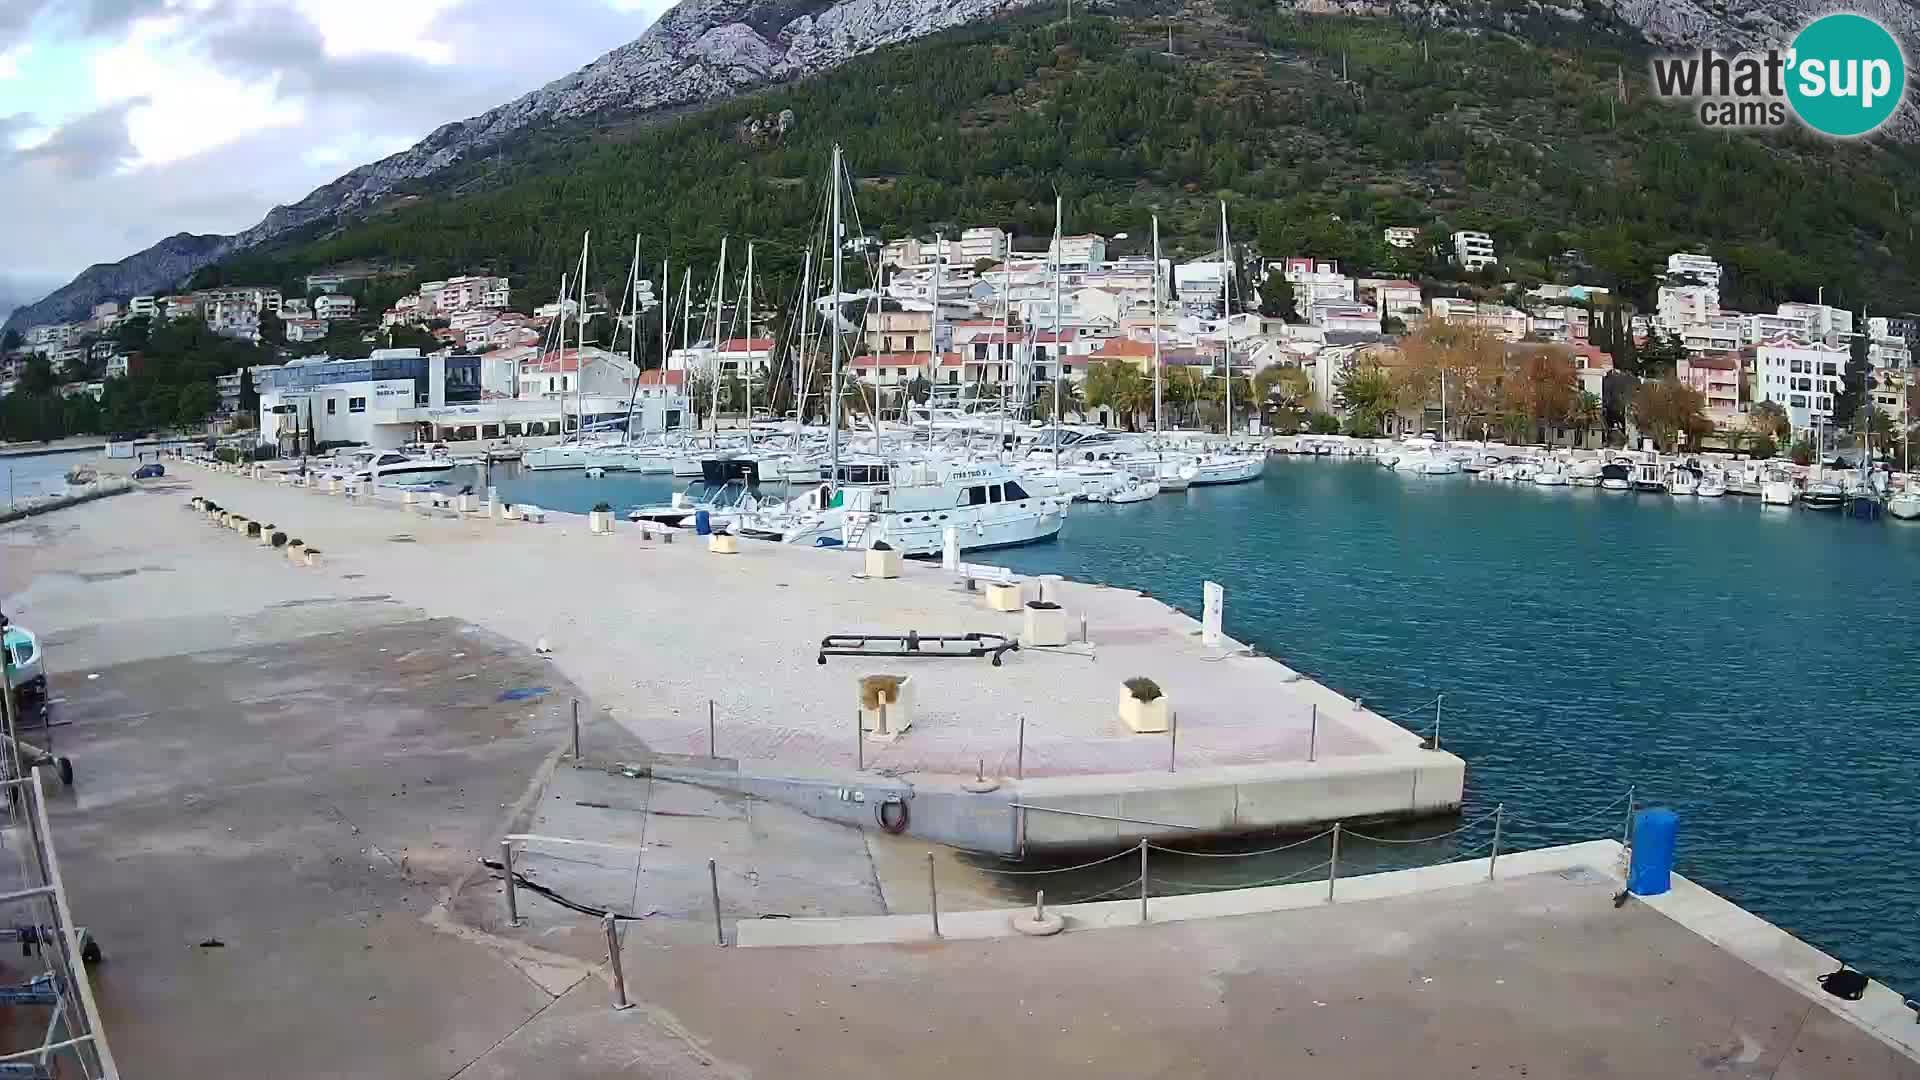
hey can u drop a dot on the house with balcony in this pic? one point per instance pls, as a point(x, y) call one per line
point(1716, 376)
point(1803, 377)
point(1473, 251)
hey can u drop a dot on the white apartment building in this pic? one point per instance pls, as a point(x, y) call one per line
point(1198, 284)
point(106, 313)
point(1392, 296)
point(1702, 267)
point(441, 298)
point(296, 307)
point(1886, 349)
point(1506, 322)
point(1722, 333)
point(333, 306)
point(1679, 306)
point(48, 337)
point(1473, 250)
point(594, 372)
point(1315, 281)
point(1889, 395)
point(119, 366)
point(1819, 320)
point(142, 307)
point(300, 331)
point(1344, 317)
point(1089, 250)
point(1400, 236)
point(1802, 378)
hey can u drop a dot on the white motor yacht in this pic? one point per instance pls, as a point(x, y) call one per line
point(1649, 477)
point(1551, 474)
point(1129, 490)
point(1586, 473)
point(1713, 484)
point(1776, 488)
point(391, 466)
point(986, 503)
point(1904, 505)
point(1616, 476)
point(1682, 480)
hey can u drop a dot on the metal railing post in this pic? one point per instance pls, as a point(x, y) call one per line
point(613, 962)
point(1499, 813)
point(1020, 753)
point(712, 737)
point(1143, 879)
point(1040, 907)
point(1313, 732)
point(1626, 827)
point(933, 895)
point(713, 881)
point(576, 731)
point(1437, 699)
point(506, 867)
point(859, 744)
point(1333, 862)
point(1173, 740)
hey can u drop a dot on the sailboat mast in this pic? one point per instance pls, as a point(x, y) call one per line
point(747, 364)
point(796, 351)
point(1226, 312)
point(580, 356)
point(1005, 348)
point(719, 306)
point(833, 327)
point(1156, 320)
point(933, 330)
point(1059, 359)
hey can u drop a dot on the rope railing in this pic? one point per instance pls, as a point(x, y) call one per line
point(1582, 820)
point(1068, 869)
point(1202, 886)
point(1321, 835)
point(1419, 839)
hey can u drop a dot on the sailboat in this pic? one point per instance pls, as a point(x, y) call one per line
point(1905, 503)
point(1224, 466)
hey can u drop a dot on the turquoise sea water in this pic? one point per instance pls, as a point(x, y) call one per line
point(1753, 669)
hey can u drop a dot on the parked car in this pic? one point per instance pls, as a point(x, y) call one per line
point(151, 470)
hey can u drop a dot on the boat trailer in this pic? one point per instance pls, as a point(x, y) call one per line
point(915, 644)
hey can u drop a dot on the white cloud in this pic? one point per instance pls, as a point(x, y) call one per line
point(10, 62)
point(232, 106)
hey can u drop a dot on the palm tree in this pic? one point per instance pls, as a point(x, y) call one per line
point(1119, 386)
point(1584, 414)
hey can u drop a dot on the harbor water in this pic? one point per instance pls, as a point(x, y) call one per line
point(1751, 668)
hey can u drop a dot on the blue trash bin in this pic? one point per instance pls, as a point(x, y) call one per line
point(1656, 834)
point(702, 523)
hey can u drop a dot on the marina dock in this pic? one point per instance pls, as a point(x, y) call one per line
point(288, 776)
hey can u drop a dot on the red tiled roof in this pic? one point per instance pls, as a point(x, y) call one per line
point(657, 377)
point(759, 344)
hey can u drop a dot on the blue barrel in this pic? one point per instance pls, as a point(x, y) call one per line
point(1655, 835)
point(702, 523)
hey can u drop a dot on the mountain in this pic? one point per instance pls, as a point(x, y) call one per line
point(158, 267)
point(705, 51)
point(700, 51)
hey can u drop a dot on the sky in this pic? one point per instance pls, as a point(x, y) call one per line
point(125, 121)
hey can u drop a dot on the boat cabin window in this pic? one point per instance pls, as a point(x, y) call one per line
point(977, 496)
point(993, 493)
point(1015, 492)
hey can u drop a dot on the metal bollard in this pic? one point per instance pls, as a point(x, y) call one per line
point(1498, 813)
point(506, 865)
point(1333, 863)
point(613, 962)
point(1143, 879)
point(933, 895)
point(1083, 629)
point(713, 880)
point(576, 731)
point(1040, 906)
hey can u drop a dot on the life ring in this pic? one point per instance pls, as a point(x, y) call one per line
point(893, 828)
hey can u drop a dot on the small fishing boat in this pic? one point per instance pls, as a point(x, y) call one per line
point(1904, 505)
point(1713, 484)
point(1682, 480)
point(1587, 473)
point(1131, 490)
point(1615, 476)
point(1776, 488)
point(1823, 496)
point(1551, 474)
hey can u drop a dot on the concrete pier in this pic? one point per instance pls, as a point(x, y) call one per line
point(286, 776)
point(656, 632)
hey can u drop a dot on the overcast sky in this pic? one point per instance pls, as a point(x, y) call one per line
point(124, 121)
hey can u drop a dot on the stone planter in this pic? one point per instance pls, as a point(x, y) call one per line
point(265, 535)
point(409, 498)
point(886, 705)
point(297, 552)
point(464, 503)
point(1045, 625)
point(600, 522)
point(1003, 596)
point(723, 544)
point(1144, 717)
point(310, 556)
point(333, 485)
point(883, 564)
point(511, 512)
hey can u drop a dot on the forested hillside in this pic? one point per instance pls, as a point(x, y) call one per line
point(1526, 138)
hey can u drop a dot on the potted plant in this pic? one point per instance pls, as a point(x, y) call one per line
point(883, 561)
point(1046, 625)
point(886, 705)
point(1143, 706)
point(600, 521)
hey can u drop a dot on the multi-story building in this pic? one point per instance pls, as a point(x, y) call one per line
point(179, 307)
point(1717, 377)
point(1400, 236)
point(1823, 321)
point(333, 306)
point(1199, 284)
point(106, 313)
point(50, 337)
point(142, 307)
point(1702, 269)
point(1720, 334)
point(1679, 306)
point(982, 243)
point(1392, 296)
point(296, 307)
point(1803, 377)
point(123, 365)
point(1315, 281)
point(438, 299)
point(1886, 346)
point(1473, 250)
point(899, 331)
point(1506, 322)
point(1889, 395)
point(300, 331)
point(1343, 317)
point(742, 356)
point(230, 384)
point(1089, 250)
